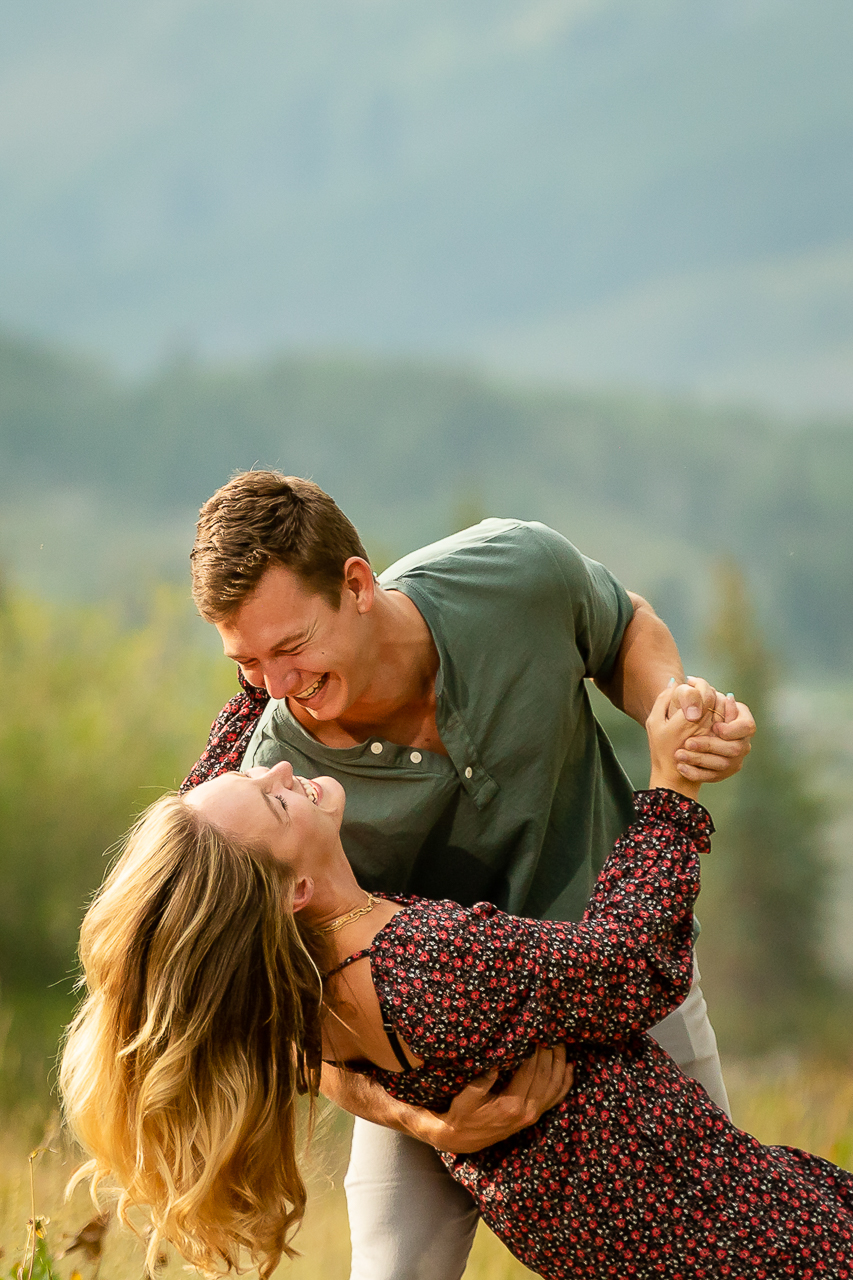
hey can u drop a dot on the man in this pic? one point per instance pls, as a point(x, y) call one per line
point(449, 698)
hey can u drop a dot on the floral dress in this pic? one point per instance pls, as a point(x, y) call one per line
point(637, 1173)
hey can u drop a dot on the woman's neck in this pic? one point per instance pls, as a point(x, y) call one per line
point(334, 891)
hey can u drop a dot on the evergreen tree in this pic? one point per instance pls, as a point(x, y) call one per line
point(767, 878)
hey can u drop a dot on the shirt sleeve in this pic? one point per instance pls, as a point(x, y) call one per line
point(481, 988)
point(597, 607)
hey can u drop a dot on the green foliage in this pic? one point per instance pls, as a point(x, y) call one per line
point(99, 716)
point(766, 880)
point(38, 1265)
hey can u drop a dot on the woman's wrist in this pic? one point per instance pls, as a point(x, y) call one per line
point(673, 781)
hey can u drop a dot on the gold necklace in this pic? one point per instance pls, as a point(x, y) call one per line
point(340, 921)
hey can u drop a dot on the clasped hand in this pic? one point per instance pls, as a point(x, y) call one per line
point(724, 729)
point(479, 1118)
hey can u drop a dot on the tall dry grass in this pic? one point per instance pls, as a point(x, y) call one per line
point(781, 1102)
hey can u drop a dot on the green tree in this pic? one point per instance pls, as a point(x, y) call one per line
point(766, 881)
point(98, 718)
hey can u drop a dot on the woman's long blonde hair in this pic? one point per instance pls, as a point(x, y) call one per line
point(200, 1027)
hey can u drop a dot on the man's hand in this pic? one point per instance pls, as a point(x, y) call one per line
point(479, 1118)
point(714, 756)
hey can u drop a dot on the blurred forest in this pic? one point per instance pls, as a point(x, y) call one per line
point(101, 477)
point(98, 718)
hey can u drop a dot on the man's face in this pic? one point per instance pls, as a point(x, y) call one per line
point(289, 639)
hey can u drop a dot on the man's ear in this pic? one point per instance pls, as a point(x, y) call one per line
point(303, 893)
point(359, 579)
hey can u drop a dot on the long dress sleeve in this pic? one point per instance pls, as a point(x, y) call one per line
point(469, 989)
point(630, 960)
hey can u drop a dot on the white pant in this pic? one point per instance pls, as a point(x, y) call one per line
point(410, 1221)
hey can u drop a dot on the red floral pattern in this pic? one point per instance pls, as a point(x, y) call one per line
point(637, 1173)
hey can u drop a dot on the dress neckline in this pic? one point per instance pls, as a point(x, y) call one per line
point(394, 1041)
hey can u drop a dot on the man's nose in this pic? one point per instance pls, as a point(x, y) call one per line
point(282, 680)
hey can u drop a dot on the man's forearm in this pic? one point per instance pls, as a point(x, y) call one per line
point(369, 1101)
point(648, 658)
point(477, 1117)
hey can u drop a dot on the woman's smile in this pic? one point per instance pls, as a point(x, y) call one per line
point(312, 789)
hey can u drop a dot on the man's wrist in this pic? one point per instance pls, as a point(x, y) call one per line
point(435, 1131)
point(424, 1125)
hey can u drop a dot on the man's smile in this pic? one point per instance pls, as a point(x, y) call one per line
point(308, 693)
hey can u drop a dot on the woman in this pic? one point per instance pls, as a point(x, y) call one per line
point(207, 1015)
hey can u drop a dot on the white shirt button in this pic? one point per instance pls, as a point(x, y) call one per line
point(416, 757)
point(469, 772)
point(376, 748)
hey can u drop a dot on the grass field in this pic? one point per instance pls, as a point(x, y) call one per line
point(781, 1102)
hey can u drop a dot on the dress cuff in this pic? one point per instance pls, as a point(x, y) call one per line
point(670, 806)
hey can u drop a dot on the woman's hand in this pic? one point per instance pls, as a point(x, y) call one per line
point(668, 730)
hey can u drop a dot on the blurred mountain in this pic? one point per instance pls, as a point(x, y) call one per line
point(101, 477)
point(640, 191)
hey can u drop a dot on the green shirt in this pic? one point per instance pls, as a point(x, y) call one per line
point(530, 798)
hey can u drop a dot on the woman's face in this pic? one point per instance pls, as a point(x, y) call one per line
point(297, 819)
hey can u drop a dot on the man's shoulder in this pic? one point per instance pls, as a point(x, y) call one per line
point(514, 579)
point(497, 542)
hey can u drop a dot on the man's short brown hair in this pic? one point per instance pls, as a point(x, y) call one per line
point(260, 519)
